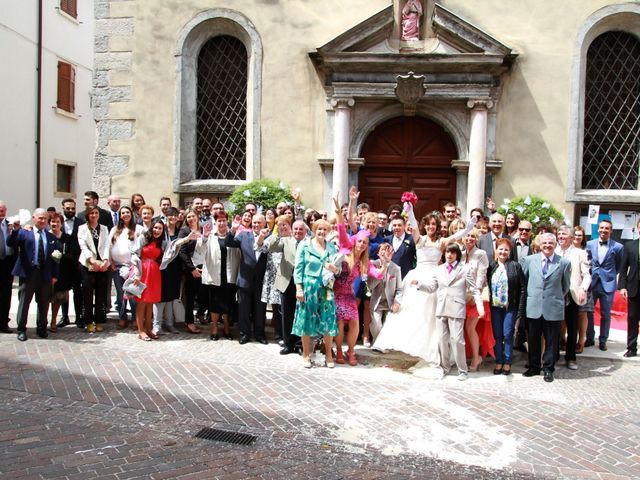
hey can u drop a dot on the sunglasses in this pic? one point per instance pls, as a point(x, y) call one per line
point(524, 229)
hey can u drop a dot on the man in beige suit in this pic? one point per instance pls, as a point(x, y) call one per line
point(580, 282)
point(288, 245)
point(386, 293)
point(451, 281)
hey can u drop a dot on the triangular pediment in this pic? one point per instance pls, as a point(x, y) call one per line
point(451, 35)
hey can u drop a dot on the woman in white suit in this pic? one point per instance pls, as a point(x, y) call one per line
point(219, 272)
point(94, 269)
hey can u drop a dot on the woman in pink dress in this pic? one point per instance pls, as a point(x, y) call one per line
point(356, 264)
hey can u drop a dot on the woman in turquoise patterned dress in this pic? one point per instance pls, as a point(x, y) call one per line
point(315, 306)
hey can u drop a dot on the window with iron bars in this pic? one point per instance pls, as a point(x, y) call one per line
point(221, 128)
point(612, 113)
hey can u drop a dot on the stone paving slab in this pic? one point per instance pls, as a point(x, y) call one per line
point(584, 425)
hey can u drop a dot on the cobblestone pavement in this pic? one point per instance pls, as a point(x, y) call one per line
point(107, 405)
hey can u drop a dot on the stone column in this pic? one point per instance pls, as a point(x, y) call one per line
point(341, 143)
point(477, 152)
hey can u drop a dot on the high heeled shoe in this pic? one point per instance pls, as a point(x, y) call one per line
point(353, 360)
point(476, 367)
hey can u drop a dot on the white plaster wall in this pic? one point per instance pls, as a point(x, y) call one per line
point(18, 31)
point(63, 138)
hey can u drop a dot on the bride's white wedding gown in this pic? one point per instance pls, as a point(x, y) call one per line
point(413, 329)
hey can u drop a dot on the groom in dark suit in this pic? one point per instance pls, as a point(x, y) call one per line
point(36, 268)
point(404, 248)
point(629, 285)
point(606, 258)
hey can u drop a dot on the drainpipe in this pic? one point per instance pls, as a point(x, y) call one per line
point(39, 106)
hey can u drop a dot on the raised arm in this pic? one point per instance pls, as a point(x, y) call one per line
point(353, 200)
point(415, 231)
point(460, 233)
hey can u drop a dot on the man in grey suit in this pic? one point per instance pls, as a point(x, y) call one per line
point(386, 292)
point(288, 245)
point(548, 283)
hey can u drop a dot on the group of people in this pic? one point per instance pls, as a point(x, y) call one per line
point(443, 289)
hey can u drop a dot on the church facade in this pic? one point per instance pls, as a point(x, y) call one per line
point(453, 99)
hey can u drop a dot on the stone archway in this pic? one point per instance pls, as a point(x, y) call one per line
point(408, 153)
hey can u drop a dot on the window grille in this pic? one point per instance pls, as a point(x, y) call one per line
point(612, 113)
point(221, 146)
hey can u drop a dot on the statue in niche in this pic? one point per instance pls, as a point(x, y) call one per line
point(411, 14)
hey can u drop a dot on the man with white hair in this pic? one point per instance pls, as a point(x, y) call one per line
point(37, 269)
point(580, 282)
point(487, 241)
point(548, 279)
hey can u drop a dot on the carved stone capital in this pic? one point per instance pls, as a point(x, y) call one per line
point(480, 103)
point(409, 90)
point(342, 103)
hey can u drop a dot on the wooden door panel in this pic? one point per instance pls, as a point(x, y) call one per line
point(408, 153)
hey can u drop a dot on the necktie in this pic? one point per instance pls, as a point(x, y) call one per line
point(41, 248)
point(3, 245)
point(545, 267)
point(449, 267)
point(604, 244)
point(115, 218)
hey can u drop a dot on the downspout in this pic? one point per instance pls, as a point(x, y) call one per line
point(39, 106)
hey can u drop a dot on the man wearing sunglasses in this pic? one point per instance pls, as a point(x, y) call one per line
point(523, 241)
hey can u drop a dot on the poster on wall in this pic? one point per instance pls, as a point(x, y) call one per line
point(594, 211)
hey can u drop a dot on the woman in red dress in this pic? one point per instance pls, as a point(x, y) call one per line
point(152, 254)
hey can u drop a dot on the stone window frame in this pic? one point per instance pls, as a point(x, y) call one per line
point(193, 36)
point(624, 17)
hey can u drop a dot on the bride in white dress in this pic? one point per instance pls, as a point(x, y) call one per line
point(413, 329)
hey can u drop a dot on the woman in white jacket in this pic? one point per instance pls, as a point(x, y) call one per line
point(219, 271)
point(94, 269)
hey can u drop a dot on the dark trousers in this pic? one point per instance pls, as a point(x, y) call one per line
point(571, 320)
point(551, 332)
point(193, 289)
point(34, 284)
point(6, 284)
point(95, 288)
point(288, 307)
point(78, 301)
point(252, 311)
point(633, 318)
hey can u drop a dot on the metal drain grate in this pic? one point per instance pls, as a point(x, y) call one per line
point(225, 436)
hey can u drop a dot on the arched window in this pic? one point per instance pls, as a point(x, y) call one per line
point(611, 142)
point(221, 144)
point(218, 101)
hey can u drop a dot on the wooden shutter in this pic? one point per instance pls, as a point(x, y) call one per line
point(70, 7)
point(66, 87)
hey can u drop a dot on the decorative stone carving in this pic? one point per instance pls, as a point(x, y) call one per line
point(409, 90)
point(411, 14)
point(480, 103)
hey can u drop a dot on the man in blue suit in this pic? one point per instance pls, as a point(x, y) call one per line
point(548, 283)
point(36, 268)
point(404, 248)
point(253, 264)
point(606, 262)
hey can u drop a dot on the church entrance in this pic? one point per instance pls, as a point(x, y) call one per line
point(408, 153)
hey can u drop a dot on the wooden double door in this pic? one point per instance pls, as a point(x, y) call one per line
point(408, 154)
